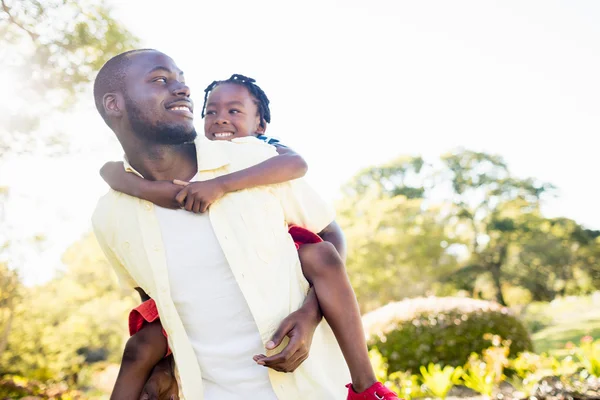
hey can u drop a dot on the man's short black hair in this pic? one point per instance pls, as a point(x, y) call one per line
point(111, 77)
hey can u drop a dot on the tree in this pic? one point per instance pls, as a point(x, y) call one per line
point(554, 258)
point(49, 52)
point(398, 245)
point(475, 220)
point(404, 176)
point(490, 200)
point(10, 293)
point(70, 323)
point(54, 47)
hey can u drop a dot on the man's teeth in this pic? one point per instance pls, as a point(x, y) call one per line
point(182, 108)
point(223, 134)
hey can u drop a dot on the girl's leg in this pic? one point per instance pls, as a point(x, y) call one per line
point(142, 351)
point(325, 270)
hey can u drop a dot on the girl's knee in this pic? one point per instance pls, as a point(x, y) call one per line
point(318, 259)
point(146, 346)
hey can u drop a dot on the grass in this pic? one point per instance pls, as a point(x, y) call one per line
point(561, 321)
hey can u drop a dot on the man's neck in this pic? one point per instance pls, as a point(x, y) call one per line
point(165, 162)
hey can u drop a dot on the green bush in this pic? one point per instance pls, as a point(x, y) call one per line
point(443, 330)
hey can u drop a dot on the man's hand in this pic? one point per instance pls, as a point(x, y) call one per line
point(299, 327)
point(161, 384)
point(198, 196)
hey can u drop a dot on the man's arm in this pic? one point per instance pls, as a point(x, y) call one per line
point(299, 327)
point(302, 206)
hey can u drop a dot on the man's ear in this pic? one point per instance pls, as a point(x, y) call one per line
point(113, 105)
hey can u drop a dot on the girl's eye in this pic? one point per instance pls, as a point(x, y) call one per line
point(210, 112)
point(234, 111)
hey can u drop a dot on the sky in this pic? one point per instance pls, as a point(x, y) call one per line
point(352, 84)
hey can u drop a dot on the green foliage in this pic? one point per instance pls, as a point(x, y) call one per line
point(399, 177)
point(530, 375)
point(588, 354)
point(10, 294)
point(550, 261)
point(568, 318)
point(16, 387)
point(406, 385)
point(75, 320)
point(390, 238)
point(62, 43)
point(417, 332)
point(438, 381)
point(465, 223)
point(478, 377)
point(50, 51)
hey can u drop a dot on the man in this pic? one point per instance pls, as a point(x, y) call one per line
point(222, 282)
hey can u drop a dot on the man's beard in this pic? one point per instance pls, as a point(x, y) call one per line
point(158, 133)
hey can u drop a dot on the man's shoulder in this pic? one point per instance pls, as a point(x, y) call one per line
point(107, 208)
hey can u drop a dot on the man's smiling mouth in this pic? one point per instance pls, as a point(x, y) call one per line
point(181, 108)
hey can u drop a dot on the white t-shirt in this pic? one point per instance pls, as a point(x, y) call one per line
point(212, 308)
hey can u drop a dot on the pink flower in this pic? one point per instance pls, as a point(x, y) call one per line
point(569, 345)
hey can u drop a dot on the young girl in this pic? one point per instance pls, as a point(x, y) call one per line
point(236, 108)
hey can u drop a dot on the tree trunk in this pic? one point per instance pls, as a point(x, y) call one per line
point(495, 270)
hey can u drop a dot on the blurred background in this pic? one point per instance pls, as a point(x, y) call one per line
point(457, 140)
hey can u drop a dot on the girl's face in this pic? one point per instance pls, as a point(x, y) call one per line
point(231, 112)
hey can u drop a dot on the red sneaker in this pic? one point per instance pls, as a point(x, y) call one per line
point(376, 391)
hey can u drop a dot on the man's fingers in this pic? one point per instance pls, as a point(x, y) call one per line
point(197, 206)
point(181, 196)
point(204, 206)
point(290, 365)
point(293, 362)
point(286, 355)
point(281, 332)
point(275, 360)
point(189, 203)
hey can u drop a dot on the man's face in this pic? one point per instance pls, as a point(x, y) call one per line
point(157, 101)
point(231, 112)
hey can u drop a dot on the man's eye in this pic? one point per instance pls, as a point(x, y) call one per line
point(160, 79)
point(234, 111)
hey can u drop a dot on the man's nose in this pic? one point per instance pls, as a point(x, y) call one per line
point(181, 89)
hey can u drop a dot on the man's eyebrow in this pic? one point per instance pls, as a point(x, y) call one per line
point(165, 69)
